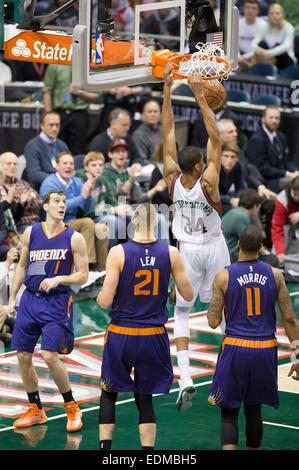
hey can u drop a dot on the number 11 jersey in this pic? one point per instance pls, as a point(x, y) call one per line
point(196, 217)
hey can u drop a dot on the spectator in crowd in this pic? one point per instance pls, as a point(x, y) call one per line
point(229, 134)
point(268, 150)
point(199, 135)
point(291, 10)
point(165, 21)
point(148, 134)
point(78, 196)
point(275, 42)
point(232, 181)
point(162, 197)
point(249, 26)
point(106, 208)
point(286, 216)
point(238, 218)
point(125, 97)
point(71, 104)
point(7, 272)
point(124, 18)
point(127, 189)
point(40, 152)
point(17, 194)
point(3, 235)
point(119, 125)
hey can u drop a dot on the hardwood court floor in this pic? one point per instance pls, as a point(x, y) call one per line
point(195, 429)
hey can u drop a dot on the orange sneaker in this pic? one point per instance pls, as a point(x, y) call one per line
point(31, 417)
point(74, 422)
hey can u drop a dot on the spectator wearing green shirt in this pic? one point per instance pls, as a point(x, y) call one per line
point(128, 190)
point(72, 105)
point(106, 209)
point(234, 221)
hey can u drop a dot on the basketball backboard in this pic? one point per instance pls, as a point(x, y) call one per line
point(113, 42)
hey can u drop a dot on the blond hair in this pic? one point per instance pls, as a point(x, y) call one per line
point(92, 157)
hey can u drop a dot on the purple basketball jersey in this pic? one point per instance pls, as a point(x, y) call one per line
point(48, 257)
point(143, 285)
point(250, 300)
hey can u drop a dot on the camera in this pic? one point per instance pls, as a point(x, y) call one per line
point(17, 259)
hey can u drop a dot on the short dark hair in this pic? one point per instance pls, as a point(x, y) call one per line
point(188, 157)
point(47, 196)
point(249, 198)
point(231, 147)
point(251, 239)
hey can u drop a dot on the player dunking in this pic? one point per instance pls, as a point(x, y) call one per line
point(196, 221)
point(50, 250)
point(136, 284)
point(246, 369)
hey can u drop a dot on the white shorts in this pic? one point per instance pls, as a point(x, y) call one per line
point(202, 262)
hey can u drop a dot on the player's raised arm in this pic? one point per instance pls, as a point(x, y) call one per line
point(213, 156)
point(171, 169)
point(114, 264)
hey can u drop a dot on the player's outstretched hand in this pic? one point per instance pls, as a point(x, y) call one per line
point(196, 84)
point(168, 79)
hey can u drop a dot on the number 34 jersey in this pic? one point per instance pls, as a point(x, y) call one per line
point(142, 292)
point(250, 299)
point(196, 217)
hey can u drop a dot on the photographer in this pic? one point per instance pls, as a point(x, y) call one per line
point(7, 272)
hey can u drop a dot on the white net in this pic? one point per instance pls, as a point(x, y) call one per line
point(204, 61)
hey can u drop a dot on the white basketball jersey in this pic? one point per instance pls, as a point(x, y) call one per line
point(196, 217)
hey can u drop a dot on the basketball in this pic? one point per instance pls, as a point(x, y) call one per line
point(214, 93)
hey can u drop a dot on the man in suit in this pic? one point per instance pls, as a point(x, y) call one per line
point(118, 130)
point(267, 149)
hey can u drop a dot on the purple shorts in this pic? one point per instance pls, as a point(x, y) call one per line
point(144, 349)
point(246, 371)
point(49, 316)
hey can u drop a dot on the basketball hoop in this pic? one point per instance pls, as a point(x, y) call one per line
point(209, 61)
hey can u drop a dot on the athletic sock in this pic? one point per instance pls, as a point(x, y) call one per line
point(183, 363)
point(147, 448)
point(68, 396)
point(33, 397)
point(105, 444)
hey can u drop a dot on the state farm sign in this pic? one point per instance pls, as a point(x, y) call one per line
point(53, 48)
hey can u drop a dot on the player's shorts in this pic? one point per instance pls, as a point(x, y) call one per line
point(146, 350)
point(246, 371)
point(202, 262)
point(49, 316)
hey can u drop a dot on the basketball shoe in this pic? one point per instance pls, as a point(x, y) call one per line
point(186, 393)
point(31, 417)
point(74, 422)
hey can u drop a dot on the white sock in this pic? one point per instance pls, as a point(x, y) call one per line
point(183, 363)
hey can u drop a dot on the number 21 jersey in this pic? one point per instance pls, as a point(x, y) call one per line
point(142, 292)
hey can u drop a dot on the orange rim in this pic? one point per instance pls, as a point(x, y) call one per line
point(177, 60)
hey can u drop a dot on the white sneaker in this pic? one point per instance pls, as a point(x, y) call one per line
point(186, 393)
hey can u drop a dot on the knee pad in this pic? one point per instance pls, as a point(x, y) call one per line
point(254, 425)
point(107, 407)
point(181, 322)
point(145, 407)
point(229, 430)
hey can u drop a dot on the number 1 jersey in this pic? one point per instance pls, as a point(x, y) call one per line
point(196, 218)
point(142, 291)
